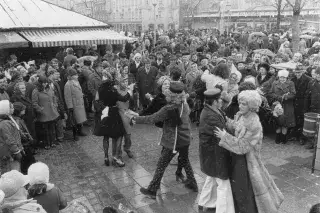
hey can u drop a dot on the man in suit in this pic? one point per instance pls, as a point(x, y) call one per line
point(214, 160)
point(301, 82)
point(185, 66)
point(146, 80)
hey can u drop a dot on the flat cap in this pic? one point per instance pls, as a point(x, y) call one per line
point(176, 87)
point(212, 93)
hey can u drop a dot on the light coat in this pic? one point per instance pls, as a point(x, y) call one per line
point(45, 104)
point(248, 140)
point(74, 100)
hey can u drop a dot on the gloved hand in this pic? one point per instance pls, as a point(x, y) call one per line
point(17, 156)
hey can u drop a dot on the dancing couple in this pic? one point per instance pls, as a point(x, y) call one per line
point(237, 181)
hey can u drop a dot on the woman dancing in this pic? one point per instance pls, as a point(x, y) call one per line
point(248, 140)
point(175, 138)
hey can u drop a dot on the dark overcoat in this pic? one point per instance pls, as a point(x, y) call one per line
point(278, 90)
point(111, 126)
point(214, 160)
point(301, 86)
point(146, 83)
point(312, 101)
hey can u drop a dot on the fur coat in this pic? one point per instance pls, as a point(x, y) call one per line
point(248, 140)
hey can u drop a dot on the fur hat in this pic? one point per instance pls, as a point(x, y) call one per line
point(38, 173)
point(137, 55)
point(253, 99)
point(4, 107)
point(283, 73)
point(176, 87)
point(265, 66)
point(11, 182)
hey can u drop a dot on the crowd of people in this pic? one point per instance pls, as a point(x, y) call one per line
point(231, 90)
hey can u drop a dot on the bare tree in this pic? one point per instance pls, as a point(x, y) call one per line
point(279, 5)
point(297, 6)
point(190, 7)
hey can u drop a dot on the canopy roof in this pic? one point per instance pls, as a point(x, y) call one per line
point(35, 14)
point(73, 37)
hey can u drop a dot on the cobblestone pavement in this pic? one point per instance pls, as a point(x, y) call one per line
point(79, 171)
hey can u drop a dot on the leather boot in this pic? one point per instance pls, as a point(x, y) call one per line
point(80, 130)
point(284, 138)
point(278, 138)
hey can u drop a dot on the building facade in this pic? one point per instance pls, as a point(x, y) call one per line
point(128, 15)
point(235, 14)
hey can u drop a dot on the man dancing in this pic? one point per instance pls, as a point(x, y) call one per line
point(214, 160)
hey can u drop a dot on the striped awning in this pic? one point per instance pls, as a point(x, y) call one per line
point(73, 37)
point(11, 40)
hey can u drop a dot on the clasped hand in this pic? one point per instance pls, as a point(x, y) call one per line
point(220, 133)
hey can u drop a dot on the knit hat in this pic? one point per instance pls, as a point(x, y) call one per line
point(38, 173)
point(283, 73)
point(18, 107)
point(72, 72)
point(11, 182)
point(4, 107)
point(176, 87)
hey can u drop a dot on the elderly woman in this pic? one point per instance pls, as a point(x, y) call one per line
point(175, 138)
point(283, 91)
point(19, 95)
point(247, 140)
point(45, 104)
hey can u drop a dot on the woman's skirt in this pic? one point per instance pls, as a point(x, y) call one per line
point(244, 200)
point(111, 126)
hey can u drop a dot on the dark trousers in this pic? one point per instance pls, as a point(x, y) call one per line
point(163, 162)
point(47, 132)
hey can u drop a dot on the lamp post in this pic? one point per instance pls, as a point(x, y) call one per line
point(228, 8)
point(154, 26)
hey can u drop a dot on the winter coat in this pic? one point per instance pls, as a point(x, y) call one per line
point(156, 104)
point(52, 200)
point(278, 90)
point(10, 139)
point(267, 195)
point(74, 100)
point(301, 86)
point(134, 69)
point(60, 99)
point(146, 83)
point(168, 115)
point(312, 101)
point(45, 105)
point(214, 160)
point(111, 126)
point(260, 81)
point(94, 83)
point(29, 116)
